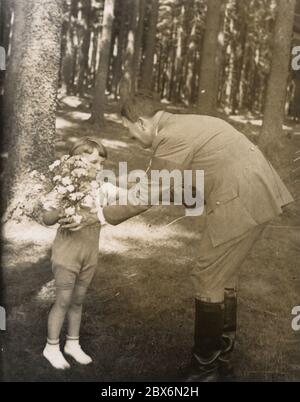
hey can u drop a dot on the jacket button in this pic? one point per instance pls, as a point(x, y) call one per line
point(252, 149)
point(218, 203)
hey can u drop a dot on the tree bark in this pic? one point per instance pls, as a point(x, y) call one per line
point(30, 94)
point(138, 41)
point(85, 46)
point(147, 72)
point(209, 69)
point(101, 79)
point(277, 84)
point(127, 84)
point(117, 75)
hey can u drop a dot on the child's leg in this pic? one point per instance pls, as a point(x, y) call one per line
point(72, 346)
point(58, 312)
point(75, 311)
point(65, 282)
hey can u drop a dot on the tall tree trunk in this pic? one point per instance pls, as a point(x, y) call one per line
point(138, 41)
point(238, 67)
point(127, 85)
point(277, 84)
point(209, 70)
point(117, 72)
point(74, 41)
point(101, 79)
point(147, 72)
point(85, 46)
point(93, 62)
point(30, 94)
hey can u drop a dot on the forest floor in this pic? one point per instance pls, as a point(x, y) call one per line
point(138, 318)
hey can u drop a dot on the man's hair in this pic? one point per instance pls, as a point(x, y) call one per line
point(142, 104)
point(88, 145)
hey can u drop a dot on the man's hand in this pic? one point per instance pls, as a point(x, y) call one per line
point(88, 218)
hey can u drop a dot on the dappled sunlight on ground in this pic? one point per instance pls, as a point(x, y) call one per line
point(113, 117)
point(47, 292)
point(63, 123)
point(71, 101)
point(114, 144)
point(136, 235)
point(252, 120)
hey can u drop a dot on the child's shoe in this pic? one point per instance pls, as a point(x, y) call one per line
point(53, 354)
point(73, 348)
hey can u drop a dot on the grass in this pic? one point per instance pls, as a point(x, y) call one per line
point(138, 320)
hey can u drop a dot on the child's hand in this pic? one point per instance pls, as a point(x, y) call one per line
point(88, 218)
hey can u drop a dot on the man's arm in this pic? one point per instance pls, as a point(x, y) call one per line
point(169, 155)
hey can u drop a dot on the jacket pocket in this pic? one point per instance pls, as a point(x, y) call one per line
point(227, 217)
point(221, 197)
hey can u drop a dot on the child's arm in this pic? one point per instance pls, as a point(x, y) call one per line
point(51, 210)
point(51, 217)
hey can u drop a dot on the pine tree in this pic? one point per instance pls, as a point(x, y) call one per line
point(209, 70)
point(277, 84)
point(101, 79)
point(30, 93)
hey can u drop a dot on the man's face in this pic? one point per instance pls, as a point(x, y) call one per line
point(141, 130)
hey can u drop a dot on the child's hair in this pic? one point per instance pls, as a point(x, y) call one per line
point(88, 145)
point(142, 104)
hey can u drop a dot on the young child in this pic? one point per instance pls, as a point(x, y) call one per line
point(74, 260)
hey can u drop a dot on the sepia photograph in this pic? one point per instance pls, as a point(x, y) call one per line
point(150, 193)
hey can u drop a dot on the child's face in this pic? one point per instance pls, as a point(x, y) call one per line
point(95, 162)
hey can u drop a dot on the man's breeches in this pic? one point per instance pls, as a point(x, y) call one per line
point(217, 267)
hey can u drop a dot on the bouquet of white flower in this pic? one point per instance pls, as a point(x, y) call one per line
point(73, 187)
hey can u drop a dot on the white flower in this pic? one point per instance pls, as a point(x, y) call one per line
point(88, 201)
point(33, 173)
point(66, 181)
point(64, 158)
point(77, 218)
point(79, 172)
point(71, 188)
point(73, 197)
point(70, 211)
point(54, 165)
point(61, 190)
point(57, 178)
point(80, 164)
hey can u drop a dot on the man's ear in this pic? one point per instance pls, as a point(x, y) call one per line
point(141, 123)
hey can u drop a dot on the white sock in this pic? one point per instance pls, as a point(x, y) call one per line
point(73, 349)
point(53, 354)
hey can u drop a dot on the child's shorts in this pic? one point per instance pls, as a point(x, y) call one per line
point(75, 256)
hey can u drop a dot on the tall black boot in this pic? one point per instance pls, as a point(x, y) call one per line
point(209, 322)
point(229, 333)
